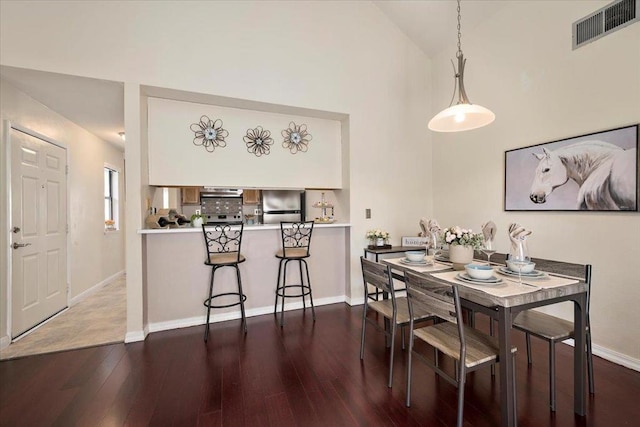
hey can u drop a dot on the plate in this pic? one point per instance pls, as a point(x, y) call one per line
point(491, 281)
point(441, 258)
point(406, 261)
point(535, 274)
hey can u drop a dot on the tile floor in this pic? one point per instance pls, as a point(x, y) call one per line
point(98, 319)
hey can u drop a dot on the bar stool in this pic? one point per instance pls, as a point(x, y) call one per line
point(222, 243)
point(296, 238)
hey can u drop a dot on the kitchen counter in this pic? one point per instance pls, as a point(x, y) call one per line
point(176, 279)
point(246, 228)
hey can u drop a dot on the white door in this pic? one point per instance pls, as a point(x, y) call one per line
point(39, 236)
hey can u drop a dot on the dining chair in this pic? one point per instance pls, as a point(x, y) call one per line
point(554, 329)
point(469, 348)
point(393, 308)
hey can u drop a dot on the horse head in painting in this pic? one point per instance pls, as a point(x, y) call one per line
point(604, 172)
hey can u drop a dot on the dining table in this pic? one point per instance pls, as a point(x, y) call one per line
point(562, 281)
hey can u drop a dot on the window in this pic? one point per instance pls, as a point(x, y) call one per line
point(110, 198)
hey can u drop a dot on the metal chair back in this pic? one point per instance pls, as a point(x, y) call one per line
point(296, 238)
point(377, 275)
point(222, 239)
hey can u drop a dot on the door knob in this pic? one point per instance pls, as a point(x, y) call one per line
point(20, 245)
point(15, 229)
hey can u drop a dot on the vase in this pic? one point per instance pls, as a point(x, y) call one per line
point(380, 242)
point(196, 222)
point(460, 256)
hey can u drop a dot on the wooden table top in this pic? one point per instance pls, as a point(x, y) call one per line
point(537, 298)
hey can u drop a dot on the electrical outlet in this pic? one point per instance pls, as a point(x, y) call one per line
point(367, 213)
point(256, 211)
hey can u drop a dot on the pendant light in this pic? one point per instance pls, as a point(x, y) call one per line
point(464, 115)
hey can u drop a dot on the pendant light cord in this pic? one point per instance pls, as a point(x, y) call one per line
point(456, 72)
point(459, 52)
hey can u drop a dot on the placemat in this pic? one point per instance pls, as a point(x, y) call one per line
point(505, 289)
point(546, 282)
point(418, 268)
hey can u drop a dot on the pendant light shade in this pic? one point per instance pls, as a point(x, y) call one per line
point(463, 115)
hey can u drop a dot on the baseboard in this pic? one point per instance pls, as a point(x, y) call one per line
point(135, 336)
point(75, 300)
point(233, 315)
point(612, 356)
point(354, 301)
point(4, 342)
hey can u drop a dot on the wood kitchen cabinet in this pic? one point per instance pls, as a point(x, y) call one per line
point(190, 195)
point(250, 197)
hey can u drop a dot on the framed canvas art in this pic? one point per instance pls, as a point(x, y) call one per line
point(593, 172)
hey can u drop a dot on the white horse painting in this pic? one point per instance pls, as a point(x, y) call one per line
point(605, 173)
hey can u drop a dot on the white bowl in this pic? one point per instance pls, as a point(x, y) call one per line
point(479, 271)
point(526, 268)
point(415, 256)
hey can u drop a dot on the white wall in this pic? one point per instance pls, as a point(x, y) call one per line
point(94, 255)
point(174, 159)
point(331, 56)
point(520, 64)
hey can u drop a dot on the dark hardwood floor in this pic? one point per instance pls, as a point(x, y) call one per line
point(305, 374)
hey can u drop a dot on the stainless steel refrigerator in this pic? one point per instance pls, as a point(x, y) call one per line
point(282, 205)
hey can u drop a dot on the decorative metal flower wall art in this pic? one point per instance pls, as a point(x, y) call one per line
point(210, 134)
point(258, 141)
point(296, 138)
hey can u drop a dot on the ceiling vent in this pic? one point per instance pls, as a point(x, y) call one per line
point(610, 18)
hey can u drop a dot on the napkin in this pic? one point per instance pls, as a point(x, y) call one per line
point(423, 226)
point(517, 234)
point(489, 230)
point(429, 226)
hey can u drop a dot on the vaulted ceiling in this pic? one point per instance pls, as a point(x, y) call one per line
point(98, 105)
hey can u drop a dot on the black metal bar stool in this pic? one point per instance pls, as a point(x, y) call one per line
point(296, 239)
point(222, 242)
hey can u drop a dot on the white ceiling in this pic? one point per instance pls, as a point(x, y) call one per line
point(432, 24)
point(98, 105)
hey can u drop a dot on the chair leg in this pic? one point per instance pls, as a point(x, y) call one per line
point(393, 337)
point(461, 374)
point(552, 375)
point(364, 327)
point(275, 307)
point(244, 317)
point(313, 309)
point(284, 281)
point(402, 332)
point(304, 305)
point(208, 301)
point(408, 403)
point(529, 359)
point(590, 364)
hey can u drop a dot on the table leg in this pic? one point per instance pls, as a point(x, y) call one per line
point(579, 360)
point(507, 368)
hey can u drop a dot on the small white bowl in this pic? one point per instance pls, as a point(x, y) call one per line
point(526, 268)
point(479, 271)
point(415, 256)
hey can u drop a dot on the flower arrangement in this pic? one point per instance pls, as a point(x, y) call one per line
point(377, 234)
point(463, 237)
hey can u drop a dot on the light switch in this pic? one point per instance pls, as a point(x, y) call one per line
point(367, 213)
